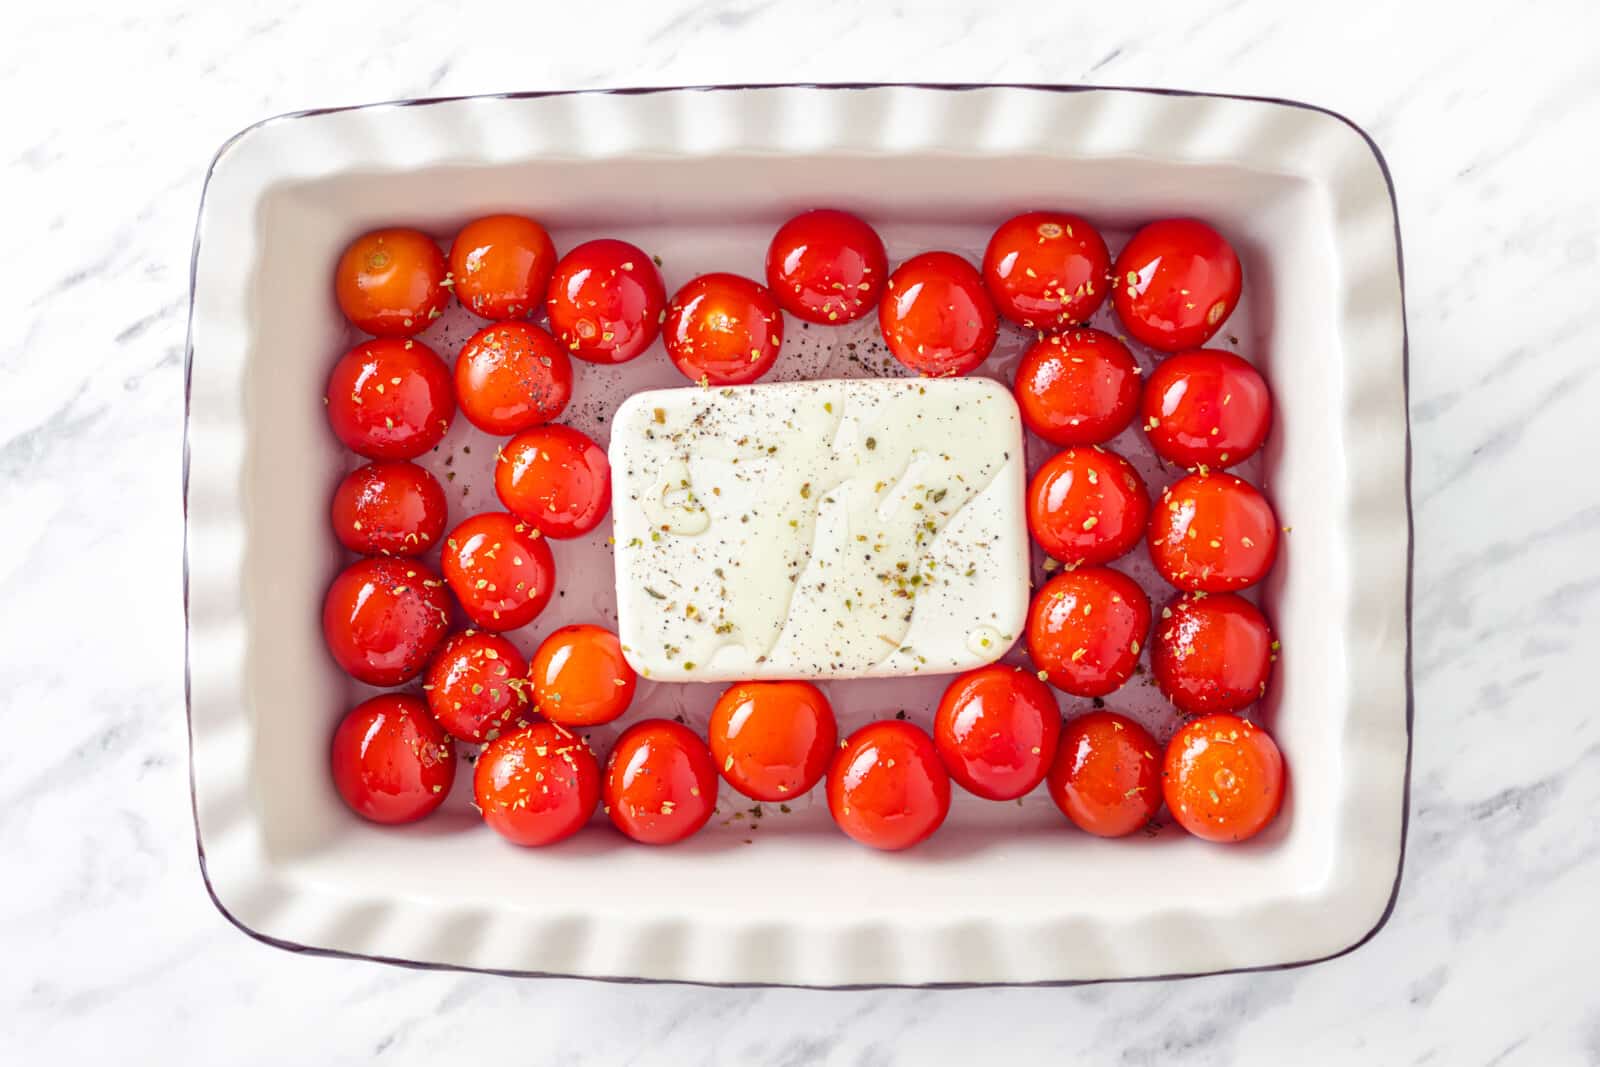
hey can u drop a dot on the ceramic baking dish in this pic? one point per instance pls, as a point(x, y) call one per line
point(701, 177)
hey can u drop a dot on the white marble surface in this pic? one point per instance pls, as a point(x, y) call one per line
point(106, 936)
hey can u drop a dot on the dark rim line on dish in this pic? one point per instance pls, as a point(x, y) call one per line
point(1405, 375)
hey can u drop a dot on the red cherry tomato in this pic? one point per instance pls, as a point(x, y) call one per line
point(1078, 388)
point(391, 762)
point(580, 677)
point(1047, 270)
point(390, 399)
point(390, 283)
point(556, 479)
point(500, 569)
point(1223, 778)
point(722, 329)
point(606, 301)
point(1206, 409)
point(476, 685)
point(772, 740)
point(382, 619)
point(1087, 505)
point(537, 785)
point(996, 729)
point(827, 267)
point(1085, 630)
point(500, 266)
point(660, 785)
point(1107, 774)
point(1213, 533)
point(1212, 653)
point(887, 787)
point(1175, 284)
point(391, 508)
point(936, 317)
point(512, 376)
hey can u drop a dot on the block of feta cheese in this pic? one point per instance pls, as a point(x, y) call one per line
point(825, 529)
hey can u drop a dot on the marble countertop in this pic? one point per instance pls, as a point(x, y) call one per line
point(1489, 128)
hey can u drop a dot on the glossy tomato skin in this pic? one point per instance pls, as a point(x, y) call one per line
point(996, 730)
point(391, 763)
point(476, 685)
point(827, 267)
point(722, 329)
point(1213, 533)
point(1086, 628)
point(391, 283)
point(1175, 283)
point(1087, 505)
point(1223, 778)
point(887, 788)
point(389, 508)
point(500, 266)
point(1212, 653)
point(1080, 387)
point(1047, 270)
point(660, 786)
point(500, 569)
point(936, 316)
point(1206, 408)
point(512, 376)
point(382, 619)
point(772, 740)
point(390, 399)
point(606, 300)
point(556, 479)
point(536, 785)
point(580, 677)
point(1107, 774)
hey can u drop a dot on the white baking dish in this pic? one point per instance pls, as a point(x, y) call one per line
point(1003, 893)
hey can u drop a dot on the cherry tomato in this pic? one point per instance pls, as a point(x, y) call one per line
point(556, 479)
point(772, 740)
point(1078, 388)
point(1085, 630)
point(1047, 270)
point(827, 267)
point(390, 508)
point(606, 301)
point(500, 569)
point(476, 685)
point(1175, 284)
point(887, 788)
point(390, 399)
point(391, 762)
point(936, 317)
point(660, 785)
point(512, 376)
point(722, 329)
point(1223, 778)
point(1212, 653)
point(390, 283)
point(1107, 775)
point(382, 619)
point(1087, 505)
point(500, 266)
point(1213, 533)
point(537, 785)
point(1206, 409)
point(996, 730)
point(580, 677)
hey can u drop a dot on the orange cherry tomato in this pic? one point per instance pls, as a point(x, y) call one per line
point(390, 399)
point(660, 785)
point(1107, 775)
point(1213, 533)
point(1086, 628)
point(1206, 408)
point(722, 329)
point(580, 677)
point(391, 762)
point(827, 267)
point(512, 376)
point(887, 788)
point(1087, 505)
point(390, 283)
point(996, 730)
point(1047, 270)
point(772, 740)
point(1212, 653)
point(606, 301)
point(1223, 778)
point(500, 569)
point(556, 479)
point(537, 785)
point(1078, 388)
point(1175, 284)
point(477, 684)
point(500, 266)
point(382, 619)
point(936, 316)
